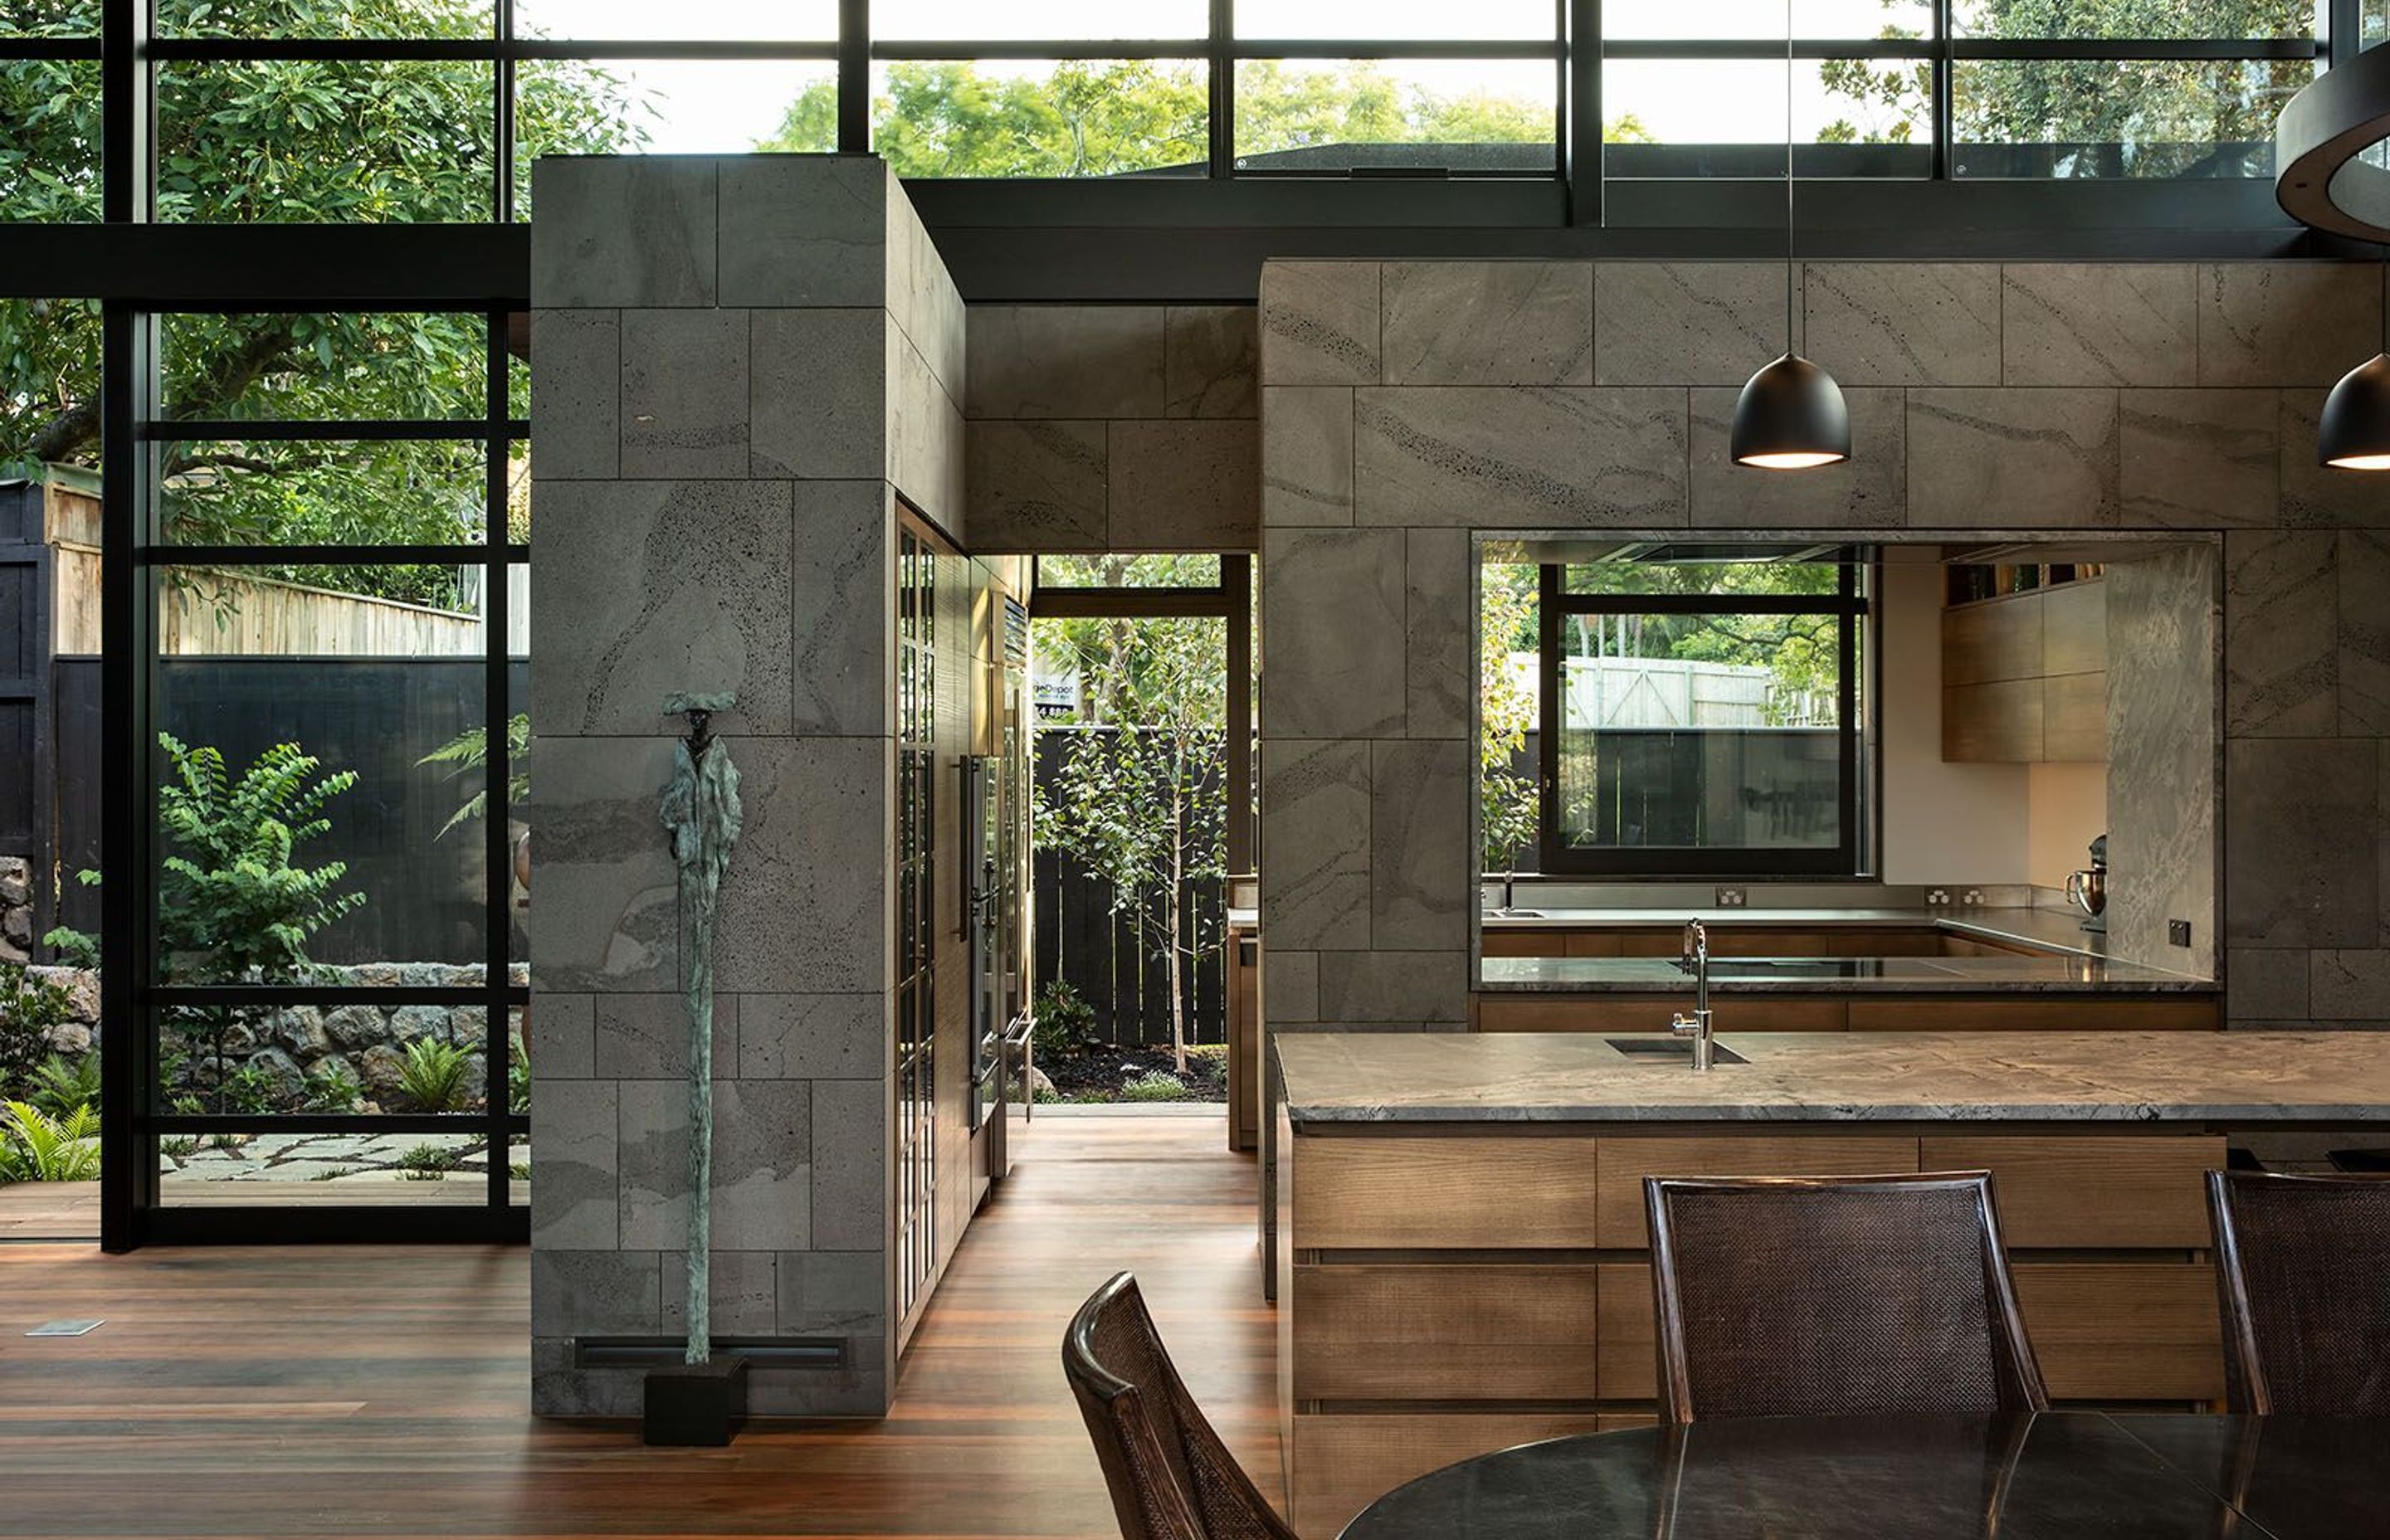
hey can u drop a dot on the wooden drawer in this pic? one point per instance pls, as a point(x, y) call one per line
point(1390, 1193)
point(1625, 1332)
point(2123, 1332)
point(1625, 1162)
point(1343, 1462)
point(2028, 1013)
point(1511, 942)
point(1430, 1333)
point(1625, 1013)
point(2090, 1191)
point(1999, 723)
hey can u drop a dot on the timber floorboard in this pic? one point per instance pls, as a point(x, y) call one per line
point(384, 1390)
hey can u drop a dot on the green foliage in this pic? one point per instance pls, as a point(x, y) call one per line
point(1801, 652)
point(331, 1088)
point(429, 1163)
point(1063, 1020)
point(1154, 1086)
point(245, 1092)
point(35, 1147)
point(518, 1076)
point(61, 1084)
point(468, 754)
point(1507, 813)
point(434, 1074)
point(30, 1007)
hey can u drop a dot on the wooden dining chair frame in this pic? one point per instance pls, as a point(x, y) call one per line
point(2246, 1391)
point(1676, 1395)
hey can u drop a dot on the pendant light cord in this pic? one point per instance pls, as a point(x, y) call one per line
point(1789, 304)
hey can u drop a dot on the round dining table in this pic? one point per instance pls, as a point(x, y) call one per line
point(2064, 1475)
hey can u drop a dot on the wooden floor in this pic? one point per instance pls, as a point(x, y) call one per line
point(49, 1211)
point(384, 1390)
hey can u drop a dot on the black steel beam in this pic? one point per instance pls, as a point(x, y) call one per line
point(272, 266)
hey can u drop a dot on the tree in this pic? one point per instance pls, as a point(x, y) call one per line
point(288, 141)
point(1139, 800)
point(1507, 813)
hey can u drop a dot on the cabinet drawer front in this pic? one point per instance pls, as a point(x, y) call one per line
point(1624, 1334)
point(1342, 1463)
point(1623, 1013)
point(1428, 1333)
point(1510, 943)
point(2089, 1191)
point(1365, 1191)
point(1625, 1162)
point(2123, 1332)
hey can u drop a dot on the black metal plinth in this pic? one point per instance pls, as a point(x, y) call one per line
point(697, 1405)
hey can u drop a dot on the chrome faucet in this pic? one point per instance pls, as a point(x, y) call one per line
point(1697, 1026)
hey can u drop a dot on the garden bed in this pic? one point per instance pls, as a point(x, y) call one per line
point(1099, 1072)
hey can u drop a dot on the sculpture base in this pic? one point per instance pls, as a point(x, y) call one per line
point(697, 1405)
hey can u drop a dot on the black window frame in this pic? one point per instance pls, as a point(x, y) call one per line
point(1845, 860)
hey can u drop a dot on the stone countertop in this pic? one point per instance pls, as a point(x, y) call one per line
point(1738, 976)
point(2247, 1079)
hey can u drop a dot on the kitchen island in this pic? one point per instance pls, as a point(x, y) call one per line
point(1462, 1259)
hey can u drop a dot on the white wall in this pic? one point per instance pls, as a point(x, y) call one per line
point(2066, 809)
point(1942, 823)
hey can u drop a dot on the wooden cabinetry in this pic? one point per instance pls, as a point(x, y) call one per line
point(2024, 676)
point(1244, 1036)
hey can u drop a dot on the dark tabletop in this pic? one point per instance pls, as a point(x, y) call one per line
point(2062, 1475)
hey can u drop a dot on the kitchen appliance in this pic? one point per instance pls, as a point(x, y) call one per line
point(2088, 888)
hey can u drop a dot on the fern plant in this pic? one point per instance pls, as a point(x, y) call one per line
point(518, 1076)
point(35, 1147)
point(434, 1074)
point(61, 1084)
point(468, 753)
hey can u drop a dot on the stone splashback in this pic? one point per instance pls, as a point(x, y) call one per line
point(1401, 408)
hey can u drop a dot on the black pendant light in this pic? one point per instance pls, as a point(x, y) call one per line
point(1790, 414)
point(2354, 431)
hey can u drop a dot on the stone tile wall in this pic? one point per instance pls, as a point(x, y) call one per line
point(739, 366)
point(1405, 403)
point(1112, 427)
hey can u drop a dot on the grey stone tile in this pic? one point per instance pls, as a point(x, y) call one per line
point(594, 1293)
point(762, 1177)
point(1307, 454)
point(1315, 843)
point(1424, 989)
point(2382, 841)
point(2265, 983)
point(2200, 459)
point(1320, 322)
point(743, 1288)
point(628, 230)
point(922, 297)
point(1903, 322)
point(840, 593)
point(850, 1199)
point(576, 393)
point(573, 1200)
point(834, 1293)
point(804, 902)
point(1290, 985)
point(2315, 495)
point(560, 1034)
point(649, 587)
point(812, 1037)
point(1419, 863)
point(1487, 323)
point(1486, 457)
point(801, 230)
point(2278, 323)
point(2099, 323)
point(2297, 868)
point(2281, 641)
point(685, 393)
point(2020, 460)
point(1870, 491)
point(819, 395)
point(1332, 633)
point(1065, 361)
point(856, 1388)
point(1438, 632)
point(1212, 362)
point(2364, 676)
point(1037, 486)
point(2161, 623)
point(926, 452)
point(2349, 985)
point(1686, 323)
point(608, 912)
point(1185, 486)
point(646, 1036)
point(561, 1387)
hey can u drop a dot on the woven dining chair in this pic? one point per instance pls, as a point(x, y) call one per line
point(1171, 1477)
point(1826, 1296)
point(2303, 1280)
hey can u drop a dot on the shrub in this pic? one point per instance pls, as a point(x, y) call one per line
point(433, 1075)
point(429, 1163)
point(1063, 1020)
point(331, 1088)
point(61, 1084)
point(1154, 1086)
point(35, 1147)
point(518, 1076)
point(29, 1008)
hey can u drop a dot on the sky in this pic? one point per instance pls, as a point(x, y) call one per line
point(724, 106)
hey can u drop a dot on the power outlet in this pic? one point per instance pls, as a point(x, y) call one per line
point(1729, 898)
point(2178, 932)
point(1937, 897)
point(1972, 898)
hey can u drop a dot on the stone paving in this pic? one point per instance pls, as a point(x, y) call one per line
point(332, 1157)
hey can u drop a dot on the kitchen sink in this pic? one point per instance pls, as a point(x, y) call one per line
point(1514, 914)
point(1667, 1046)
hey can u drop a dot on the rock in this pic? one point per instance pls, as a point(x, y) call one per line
point(409, 1022)
point(16, 880)
point(300, 1029)
point(17, 925)
point(1041, 1086)
point(13, 952)
point(82, 984)
point(284, 1079)
point(382, 1069)
point(466, 1023)
point(335, 1064)
point(356, 1027)
point(70, 1038)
